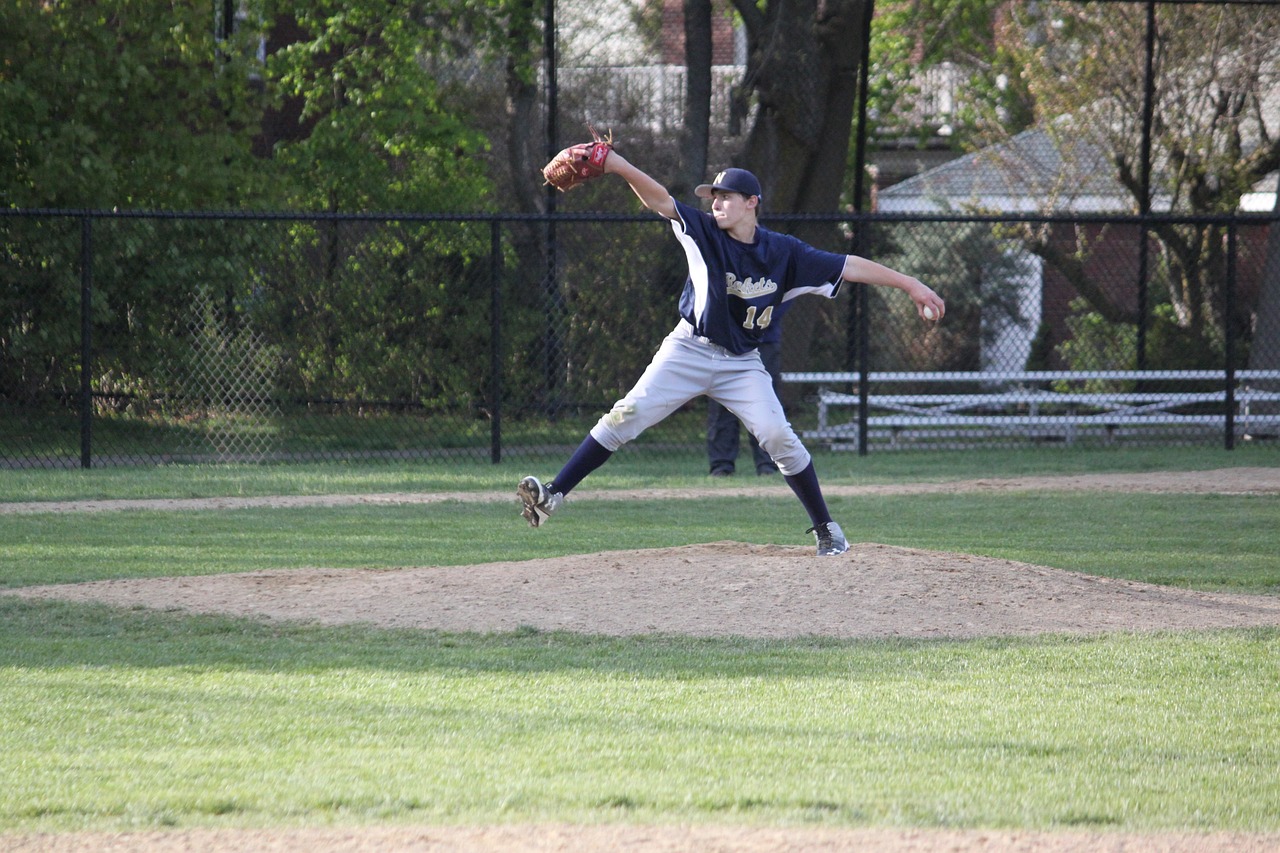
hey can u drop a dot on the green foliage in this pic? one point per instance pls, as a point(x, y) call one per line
point(39, 305)
point(1096, 344)
point(380, 138)
point(124, 103)
point(914, 36)
point(424, 288)
point(621, 310)
point(938, 30)
point(114, 104)
point(1171, 346)
point(146, 275)
point(974, 270)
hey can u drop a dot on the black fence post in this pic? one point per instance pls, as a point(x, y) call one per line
point(1144, 195)
point(495, 342)
point(860, 160)
point(551, 287)
point(86, 342)
point(1229, 335)
point(864, 367)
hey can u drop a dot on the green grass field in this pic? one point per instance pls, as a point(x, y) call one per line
point(117, 719)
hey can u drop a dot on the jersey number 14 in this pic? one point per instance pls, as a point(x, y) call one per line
point(761, 322)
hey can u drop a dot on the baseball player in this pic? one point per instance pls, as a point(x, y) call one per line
point(739, 275)
point(723, 426)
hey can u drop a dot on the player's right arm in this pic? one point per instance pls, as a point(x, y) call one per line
point(869, 272)
point(651, 193)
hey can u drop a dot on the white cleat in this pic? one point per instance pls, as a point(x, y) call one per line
point(831, 539)
point(539, 501)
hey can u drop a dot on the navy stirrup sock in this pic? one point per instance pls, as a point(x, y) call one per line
point(805, 485)
point(589, 456)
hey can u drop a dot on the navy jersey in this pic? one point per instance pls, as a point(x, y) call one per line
point(735, 290)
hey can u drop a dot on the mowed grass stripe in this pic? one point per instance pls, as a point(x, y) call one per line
point(113, 719)
point(1208, 542)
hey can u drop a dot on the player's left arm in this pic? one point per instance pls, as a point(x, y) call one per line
point(652, 194)
point(866, 271)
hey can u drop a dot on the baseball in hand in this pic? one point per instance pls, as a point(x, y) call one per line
point(929, 313)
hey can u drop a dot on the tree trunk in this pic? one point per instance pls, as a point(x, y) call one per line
point(802, 67)
point(525, 148)
point(695, 135)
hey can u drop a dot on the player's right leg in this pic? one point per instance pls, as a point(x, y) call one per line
point(679, 371)
point(668, 382)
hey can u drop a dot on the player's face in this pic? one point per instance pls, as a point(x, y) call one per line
point(732, 209)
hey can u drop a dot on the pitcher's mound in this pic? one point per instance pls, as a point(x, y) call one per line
point(715, 589)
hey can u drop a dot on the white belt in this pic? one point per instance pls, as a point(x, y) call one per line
point(686, 330)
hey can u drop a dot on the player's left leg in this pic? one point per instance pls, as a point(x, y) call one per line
point(748, 392)
point(722, 439)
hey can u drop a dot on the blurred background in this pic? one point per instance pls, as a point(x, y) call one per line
point(278, 231)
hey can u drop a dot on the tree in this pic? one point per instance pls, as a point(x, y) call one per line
point(125, 104)
point(114, 104)
point(914, 36)
point(121, 103)
point(379, 136)
point(376, 132)
point(801, 77)
point(1265, 354)
point(696, 127)
point(802, 73)
point(1214, 135)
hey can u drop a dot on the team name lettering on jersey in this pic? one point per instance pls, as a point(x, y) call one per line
point(749, 288)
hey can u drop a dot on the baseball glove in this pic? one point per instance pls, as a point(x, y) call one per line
point(579, 163)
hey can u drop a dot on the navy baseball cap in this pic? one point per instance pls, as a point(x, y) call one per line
point(731, 180)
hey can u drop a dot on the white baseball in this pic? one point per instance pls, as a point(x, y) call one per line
point(929, 313)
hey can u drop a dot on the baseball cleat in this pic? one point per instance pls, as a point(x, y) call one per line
point(539, 501)
point(831, 539)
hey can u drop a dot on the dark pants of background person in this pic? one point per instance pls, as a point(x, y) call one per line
point(723, 426)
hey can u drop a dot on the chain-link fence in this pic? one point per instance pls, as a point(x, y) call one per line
point(154, 338)
point(505, 328)
point(1037, 350)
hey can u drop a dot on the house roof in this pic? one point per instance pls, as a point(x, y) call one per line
point(1020, 174)
point(1031, 173)
point(1262, 198)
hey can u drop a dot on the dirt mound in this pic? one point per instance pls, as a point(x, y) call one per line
point(715, 589)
